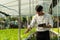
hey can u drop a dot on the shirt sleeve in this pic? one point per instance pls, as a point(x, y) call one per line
point(32, 22)
point(50, 21)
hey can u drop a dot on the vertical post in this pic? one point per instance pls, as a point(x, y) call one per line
point(36, 2)
point(33, 5)
point(19, 19)
point(29, 10)
point(57, 21)
point(27, 20)
point(51, 11)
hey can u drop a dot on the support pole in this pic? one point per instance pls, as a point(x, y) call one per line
point(19, 19)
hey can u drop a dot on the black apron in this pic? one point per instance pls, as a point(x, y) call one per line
point(44, 35)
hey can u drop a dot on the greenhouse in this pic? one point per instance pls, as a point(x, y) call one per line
point(16, 16)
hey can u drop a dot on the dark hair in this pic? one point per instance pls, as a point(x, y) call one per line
point(39, 8)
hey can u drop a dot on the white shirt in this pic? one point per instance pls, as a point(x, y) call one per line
point(46, 18)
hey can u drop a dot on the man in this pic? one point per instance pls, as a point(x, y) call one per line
point(43, 21)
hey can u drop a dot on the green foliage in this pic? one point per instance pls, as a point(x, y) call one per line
point(1, 19)
point(12, 34)
point(9, 34)
point(54, 38)
point(13, 18)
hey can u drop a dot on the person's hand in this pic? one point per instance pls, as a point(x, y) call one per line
point(27, 31)
point(48, 26)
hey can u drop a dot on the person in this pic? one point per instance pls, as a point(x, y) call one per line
point(43, 21)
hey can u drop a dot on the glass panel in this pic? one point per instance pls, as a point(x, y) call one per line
point(46, 6)
point(8, 20)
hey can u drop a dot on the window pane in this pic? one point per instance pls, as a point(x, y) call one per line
point(8, 20)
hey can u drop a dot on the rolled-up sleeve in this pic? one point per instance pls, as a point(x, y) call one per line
point(32, 22)
point(50, 21)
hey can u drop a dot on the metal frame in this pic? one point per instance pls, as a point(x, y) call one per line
point(19, 20)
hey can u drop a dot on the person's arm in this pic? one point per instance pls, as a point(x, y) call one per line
point(31, 25)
